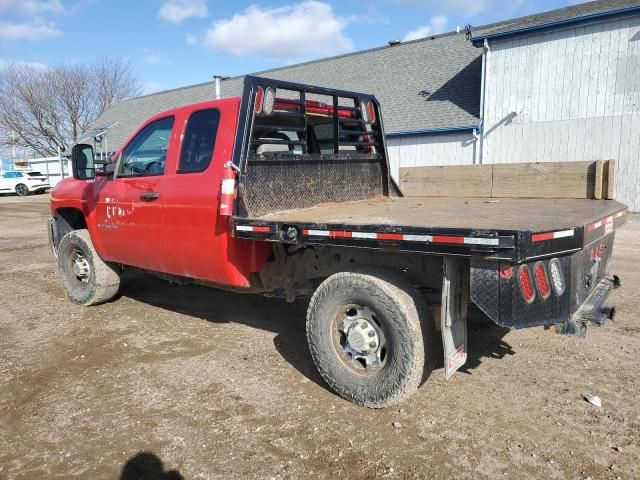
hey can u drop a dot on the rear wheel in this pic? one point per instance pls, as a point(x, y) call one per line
point(87, 279)
point(366, 337)
point(22, 190)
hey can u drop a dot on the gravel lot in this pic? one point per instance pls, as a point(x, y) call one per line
point(199, 383)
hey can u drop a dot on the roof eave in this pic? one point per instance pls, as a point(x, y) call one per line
point(622, 12)
point(405, 133)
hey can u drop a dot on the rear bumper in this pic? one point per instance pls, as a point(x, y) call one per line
point(577, 300)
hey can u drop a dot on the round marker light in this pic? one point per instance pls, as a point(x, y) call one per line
point(258, 103)
point(540, 274)
point(364, 111)
point(269, 100)
point(557, 279)
point(526, 284)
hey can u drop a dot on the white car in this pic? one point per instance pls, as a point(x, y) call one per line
point(23, 183)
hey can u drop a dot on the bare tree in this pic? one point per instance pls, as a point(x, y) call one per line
point(44, 109)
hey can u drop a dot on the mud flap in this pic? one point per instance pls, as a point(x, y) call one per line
point(455, 296)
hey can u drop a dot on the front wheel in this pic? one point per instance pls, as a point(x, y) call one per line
point(365, 333)
point(87, 279)
point(22, 190)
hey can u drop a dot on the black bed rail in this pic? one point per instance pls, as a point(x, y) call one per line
point(293, 114)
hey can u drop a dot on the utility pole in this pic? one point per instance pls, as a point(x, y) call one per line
point(60, 163)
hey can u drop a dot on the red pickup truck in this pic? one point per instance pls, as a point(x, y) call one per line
point(286, 191)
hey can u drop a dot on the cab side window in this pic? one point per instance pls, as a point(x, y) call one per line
point(199, 141)
point(146, 154)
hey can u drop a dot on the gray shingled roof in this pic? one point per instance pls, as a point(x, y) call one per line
point(426, 84)
point(573, 13)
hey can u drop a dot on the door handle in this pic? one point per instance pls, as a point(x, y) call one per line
point(149, 196)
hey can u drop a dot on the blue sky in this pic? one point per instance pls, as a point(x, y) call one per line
point(172, 43)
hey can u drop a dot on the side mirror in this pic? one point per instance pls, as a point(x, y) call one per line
point(107, 170)
point(83, 162)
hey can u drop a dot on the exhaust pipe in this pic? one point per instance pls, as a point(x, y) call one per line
point(218, 79)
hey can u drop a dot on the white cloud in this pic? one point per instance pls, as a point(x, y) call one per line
point(31, 7)
point(155, 58)
point(28, 31)
point(178, 10)
point(150, 87)
point(22, 63)
point(437, 24)
point(295, 31)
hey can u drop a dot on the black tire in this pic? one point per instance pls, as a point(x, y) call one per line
point(401, 314)
point(22, 190)
point(97, 282)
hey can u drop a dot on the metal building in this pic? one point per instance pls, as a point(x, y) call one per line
point(565, 85)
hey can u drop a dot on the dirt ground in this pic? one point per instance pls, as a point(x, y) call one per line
point(213, 385)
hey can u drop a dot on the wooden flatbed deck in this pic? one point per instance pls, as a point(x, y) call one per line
point(505, 214)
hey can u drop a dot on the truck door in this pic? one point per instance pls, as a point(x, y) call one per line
point(129, 207)
point(197, 237)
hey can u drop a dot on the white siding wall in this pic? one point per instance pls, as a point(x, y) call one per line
point(455, 148)
point(576, 96)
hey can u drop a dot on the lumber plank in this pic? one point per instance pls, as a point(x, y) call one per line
point(598, 187)
point(467, 181)
point(544, 180)
point(609, 180)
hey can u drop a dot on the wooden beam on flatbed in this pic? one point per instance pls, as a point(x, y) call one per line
point(592, 179)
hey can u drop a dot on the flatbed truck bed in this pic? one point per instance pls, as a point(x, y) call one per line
point(515, 229)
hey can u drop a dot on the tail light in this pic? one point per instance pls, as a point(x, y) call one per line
point(257, 106)
point(557, 279)
point(371, 112)
point(542, 282)
point(269, 100)
point(227, 192)
point(526, 284)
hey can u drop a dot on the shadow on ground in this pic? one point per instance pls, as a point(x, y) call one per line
point(147, 466)
point(286, 320)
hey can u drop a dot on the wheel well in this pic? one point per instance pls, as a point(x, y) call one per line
point(65, 221)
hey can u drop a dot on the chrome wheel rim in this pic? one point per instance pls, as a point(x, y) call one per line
point(21, 189)
point(80, 265)
point(359, 339)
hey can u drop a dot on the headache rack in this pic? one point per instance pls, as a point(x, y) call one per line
point(302, 145)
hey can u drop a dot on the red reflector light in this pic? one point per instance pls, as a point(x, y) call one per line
point(526, 284)
point(227, 192)
point(371, 111)
point(258, 104)
point(542, 281)
point(506, 270)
